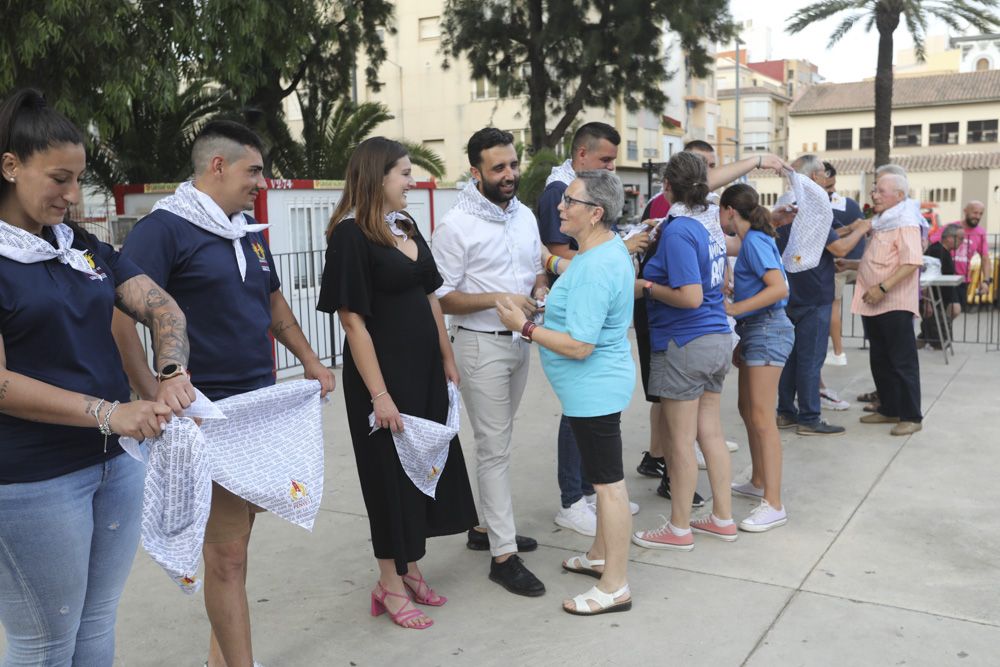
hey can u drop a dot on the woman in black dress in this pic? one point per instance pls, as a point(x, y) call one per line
point(380, 279)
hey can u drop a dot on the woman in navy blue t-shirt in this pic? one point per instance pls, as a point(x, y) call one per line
point(70, 503)
point(760, 292)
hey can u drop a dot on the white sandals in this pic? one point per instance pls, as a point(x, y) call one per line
point(605, 602)
point(583, 565)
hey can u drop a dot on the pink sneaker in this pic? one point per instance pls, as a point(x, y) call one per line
point(708, 526)
point(663, 538)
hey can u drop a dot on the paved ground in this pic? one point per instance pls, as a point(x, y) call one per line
point(889, 558)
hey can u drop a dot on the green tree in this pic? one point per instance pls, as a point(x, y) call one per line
point(331, 133)
point(264, 51)
point(885, 16)
point(91, 57)
point(566, 55)
point(155, 145)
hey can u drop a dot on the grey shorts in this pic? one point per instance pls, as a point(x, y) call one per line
point(685, 373)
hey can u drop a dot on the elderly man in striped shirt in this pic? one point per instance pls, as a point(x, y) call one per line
point(886, 296)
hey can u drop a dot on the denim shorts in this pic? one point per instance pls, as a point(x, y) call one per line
point(766, 339)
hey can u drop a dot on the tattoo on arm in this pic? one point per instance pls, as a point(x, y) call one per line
point(141, 299)
point(280, 328)
point(90, 402)
point(3, 389)
point(170, 336)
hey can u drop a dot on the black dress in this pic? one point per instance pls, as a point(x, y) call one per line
point(390, 291)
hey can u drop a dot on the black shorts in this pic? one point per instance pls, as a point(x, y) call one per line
point(641, 324)
point(599, 440)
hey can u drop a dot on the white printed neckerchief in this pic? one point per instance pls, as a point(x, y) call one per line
point(24, 247)
point(708, 217)
point(904, 214)
point(562, 173)
point(423, 444)
point(200, 210)
point(811, 226)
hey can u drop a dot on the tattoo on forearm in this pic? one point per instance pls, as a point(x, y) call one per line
point(170, 338)
point(155, 298)
point(3, 389)
point(89, 403)
point(281, 328)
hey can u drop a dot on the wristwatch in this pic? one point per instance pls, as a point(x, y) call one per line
point(647, 289)
point(171, 371)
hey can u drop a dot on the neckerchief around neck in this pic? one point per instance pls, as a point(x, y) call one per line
point(201, 211)
point(563, 173)
point(24, 247)
point(904, 214)
point(473, 202)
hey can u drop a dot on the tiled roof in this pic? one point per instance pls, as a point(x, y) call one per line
point(911, 163)
point(917, 91)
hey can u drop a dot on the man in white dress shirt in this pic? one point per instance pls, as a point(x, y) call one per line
point(487, 247)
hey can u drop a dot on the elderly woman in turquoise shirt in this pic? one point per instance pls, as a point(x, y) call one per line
point(587, 358)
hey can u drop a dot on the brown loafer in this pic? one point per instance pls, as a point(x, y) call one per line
point(906, 428)
point(878, 418)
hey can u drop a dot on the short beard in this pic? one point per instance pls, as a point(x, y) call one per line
point(971, 223)
point(492, 192)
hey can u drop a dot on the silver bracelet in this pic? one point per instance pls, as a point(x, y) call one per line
point(97, 412)
point(379, 395)
point(105, 428)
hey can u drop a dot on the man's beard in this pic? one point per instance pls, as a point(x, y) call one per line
point(492, 191)
point(971, 223)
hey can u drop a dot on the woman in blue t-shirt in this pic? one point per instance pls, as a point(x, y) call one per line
point(70, 502)
point(691, 343)
point(760, 292)
point(587, 358)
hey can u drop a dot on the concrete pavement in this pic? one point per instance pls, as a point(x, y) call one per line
point(889, 557)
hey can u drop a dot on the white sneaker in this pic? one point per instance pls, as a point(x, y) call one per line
point(747, 489)
point(732, 446)
point(764, 517)
point(580, 517)
point(829, 400)
point(592, 501)
point(700, 457)
point(836, 359)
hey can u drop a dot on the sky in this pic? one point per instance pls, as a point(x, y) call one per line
point(851, 59)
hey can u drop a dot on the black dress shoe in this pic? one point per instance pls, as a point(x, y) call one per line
point(515, 577)
point(651, 466)
point(663, 490)
point(481, 542)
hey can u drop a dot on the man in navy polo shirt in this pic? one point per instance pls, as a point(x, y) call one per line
point(809, 305)
point(200, 246)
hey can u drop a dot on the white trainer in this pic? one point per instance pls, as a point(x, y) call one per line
point(764, 517)
point(836, 359)
point(700, 457)
point(580, 517)
point(830, 400)
point(592, 501)
point(732, 446)
point(747, 489)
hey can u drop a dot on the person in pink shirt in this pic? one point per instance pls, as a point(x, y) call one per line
point(975, 244)
point(886, 297)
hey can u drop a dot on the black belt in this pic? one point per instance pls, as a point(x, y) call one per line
point(491, 333)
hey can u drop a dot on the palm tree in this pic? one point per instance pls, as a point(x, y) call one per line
point(331, 133)
point(885, 16)
point(155, 147)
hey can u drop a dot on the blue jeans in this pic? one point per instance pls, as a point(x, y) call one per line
point(66, 547)
point(569, 467)
point(801, 373)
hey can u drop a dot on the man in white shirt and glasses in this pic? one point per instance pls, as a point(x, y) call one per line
point(487, 248)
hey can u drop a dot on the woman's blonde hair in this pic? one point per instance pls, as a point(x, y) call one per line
point(368, 166)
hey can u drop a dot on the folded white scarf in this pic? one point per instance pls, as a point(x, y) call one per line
point(563, 173)
point(473, 202)
point(201, 211)
point(24, 247)
point(904, 214)
point(708, 217)
point(811, 226)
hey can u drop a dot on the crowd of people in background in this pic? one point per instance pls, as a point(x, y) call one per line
point(703, 284)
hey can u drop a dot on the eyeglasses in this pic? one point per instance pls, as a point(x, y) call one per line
point(569, 201)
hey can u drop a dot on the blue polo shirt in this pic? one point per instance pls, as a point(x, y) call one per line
point(592, 302)
point(548, 215)
point(686, 255)
point(758, 255)
point(815, 286)
point(227, 318)
point(843, 218)
point(56, 327)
